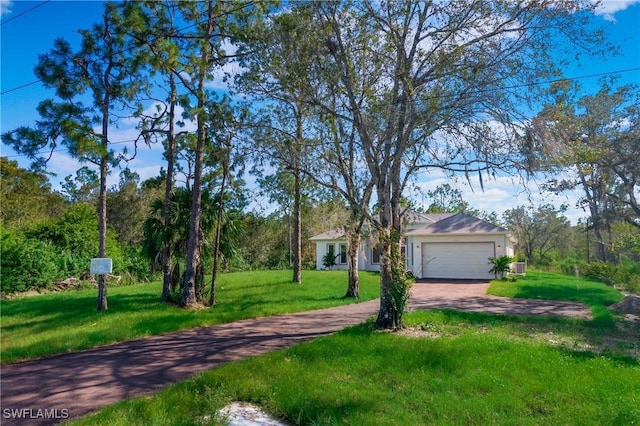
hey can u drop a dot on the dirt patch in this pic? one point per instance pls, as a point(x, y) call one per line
point(245, 414)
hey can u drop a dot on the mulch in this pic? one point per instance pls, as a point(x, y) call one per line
point(51, 390)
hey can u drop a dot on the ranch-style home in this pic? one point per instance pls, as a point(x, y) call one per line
point(439, 245)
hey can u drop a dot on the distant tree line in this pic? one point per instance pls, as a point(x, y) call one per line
point(336, 108)
point(49, 237)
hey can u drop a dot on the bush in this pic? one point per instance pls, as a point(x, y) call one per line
point(625, 275)
point(26, 264)
point(568, 265)
point(501, 265)
point(135, 264)
point(76, 238)
point(75, 235)
point(329, 260)
point(603, 271)
point(56, 250)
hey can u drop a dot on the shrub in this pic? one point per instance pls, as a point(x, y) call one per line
point(568, 265)
point(135, 264)
point(625, 275)
point(329, 260)
point(75, 235)
point(56, 250)
point(26, 264)
point(501, 265)
point(603, 271)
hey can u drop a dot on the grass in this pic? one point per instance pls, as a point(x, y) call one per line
point(453, 368)
point(551, 286)
point(447, 368)
point(43, 325)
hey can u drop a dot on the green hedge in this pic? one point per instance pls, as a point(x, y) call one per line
point(55, 250)
point(27, 263)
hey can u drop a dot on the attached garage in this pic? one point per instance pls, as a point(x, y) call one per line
point(468, 260)
point(457, 247)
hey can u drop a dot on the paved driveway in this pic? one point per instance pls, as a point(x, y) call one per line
point(470, 296)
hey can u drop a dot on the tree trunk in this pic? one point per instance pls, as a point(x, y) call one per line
point(600, 247)
point(297, 201)
point(353, 289)
point(102, 227)
point(216, 248)
point(168, 191)
point(189, 295)
point(394, 285)
point(102, 203)
point(297, 228)
point(388, 315)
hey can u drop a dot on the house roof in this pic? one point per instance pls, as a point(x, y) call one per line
point(415, 218)
point(333, 234)
point(434, 223)
point(459, 223)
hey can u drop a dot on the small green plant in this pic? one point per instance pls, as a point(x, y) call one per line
point(329, 260)
point(501, 265)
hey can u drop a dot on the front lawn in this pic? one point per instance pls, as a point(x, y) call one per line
point(43, 325)
point(452, 368)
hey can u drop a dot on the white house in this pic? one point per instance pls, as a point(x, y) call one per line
point(441, 245)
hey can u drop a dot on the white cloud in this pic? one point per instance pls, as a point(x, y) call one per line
point(608, 8)
point(145, 172)
point(500, 194)
point(230, 68)
point(63, 165)
point(5, 7)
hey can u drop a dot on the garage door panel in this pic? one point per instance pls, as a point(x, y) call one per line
point(457, 260)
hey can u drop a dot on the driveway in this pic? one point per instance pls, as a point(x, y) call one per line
point(470, 296)
point(49, 390)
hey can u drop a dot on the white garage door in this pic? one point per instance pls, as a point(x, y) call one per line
point(457, 260)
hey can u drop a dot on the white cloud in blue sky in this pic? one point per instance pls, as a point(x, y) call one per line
point(608, 8)
point(5, 7)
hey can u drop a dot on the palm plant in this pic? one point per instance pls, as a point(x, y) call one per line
point(501, 265)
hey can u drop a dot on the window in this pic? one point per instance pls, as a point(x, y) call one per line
point(330, 250)
point(375, 256)
point(343, 254)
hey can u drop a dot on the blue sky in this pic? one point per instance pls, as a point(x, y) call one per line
point(29, 28)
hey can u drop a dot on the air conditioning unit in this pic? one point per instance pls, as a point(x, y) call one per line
point(519, 268)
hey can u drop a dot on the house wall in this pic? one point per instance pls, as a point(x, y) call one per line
point(503, 246)
point(322, 246)
point(365, 262)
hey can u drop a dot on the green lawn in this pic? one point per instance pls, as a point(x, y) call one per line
point(453, 368)
point(447, 368)
point(37, 326)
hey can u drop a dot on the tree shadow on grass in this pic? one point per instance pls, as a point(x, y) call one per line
point(584, 339)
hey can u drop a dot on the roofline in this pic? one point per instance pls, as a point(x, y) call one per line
point(414, 233)
point(344, 238)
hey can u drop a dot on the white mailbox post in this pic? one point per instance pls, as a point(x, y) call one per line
point(100, 266)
